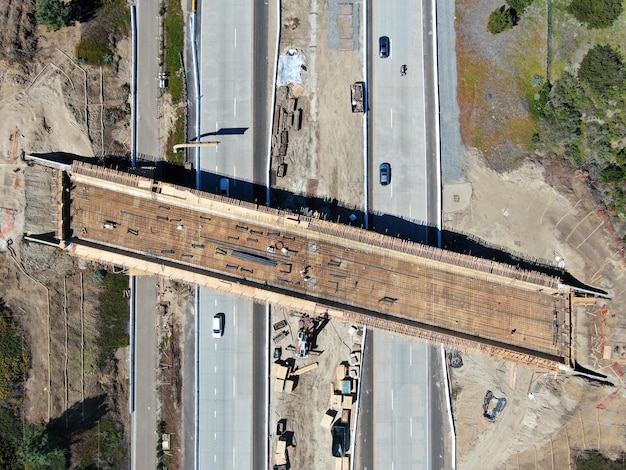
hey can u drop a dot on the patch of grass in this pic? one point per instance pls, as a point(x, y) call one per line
point(14, 358)
point(177, 136)
point(99, 35)
point(114, 315)
point(174, 45)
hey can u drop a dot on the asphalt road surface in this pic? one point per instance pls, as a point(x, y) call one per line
point(401, 405)
point(147, 85)
point(224, 438)
point(397, 113)
point(144, 417)
point(226, 71)
point(144, 439)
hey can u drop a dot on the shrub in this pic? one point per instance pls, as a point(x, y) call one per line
point(53, 13)
point(612, 174)
point(603, 71)
point(14, 359)
point(519, 5)
point(596, 13)
point(501, 19)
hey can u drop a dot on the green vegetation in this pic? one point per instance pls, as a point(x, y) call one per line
point(37, 452)
point(594, 460)
point(177, 136)
point(102, 445)
point(501, 19)
point(54, 14)
point(14, 359)
point(603, 71)
point(114, 314)
point(504, 18)
point(519, 5)
point(174, 45)
point(99, 35)
point(596, 13)
point(583, 117)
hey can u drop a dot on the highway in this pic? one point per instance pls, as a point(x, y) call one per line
point(225, 384)
point(143, 419)
point(228, 62)
point(226, 67)
point(400, 396)
point(397, 116)
point(144, 416)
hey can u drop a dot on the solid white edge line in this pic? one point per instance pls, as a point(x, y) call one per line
point(449, 405)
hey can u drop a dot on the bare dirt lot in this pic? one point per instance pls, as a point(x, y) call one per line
point(325, 157)
point(540, 211)
point(51, 105)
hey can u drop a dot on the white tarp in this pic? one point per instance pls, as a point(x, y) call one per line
point(289, 68)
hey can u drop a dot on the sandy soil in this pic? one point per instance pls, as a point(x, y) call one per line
point(325, 157)
point(49, 104)
point(521, 212)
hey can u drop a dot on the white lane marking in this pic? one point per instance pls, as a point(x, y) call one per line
point(391, 117)
point(410, 210)
point(215, 393)
point(216, 302)
point(235, 38)
point(214, 458)
point(216, 346)
point(233, 457)
point(215, 436)
point(215, 369)
point(392, 399)
point(410, 356)
point(234, 316)
point(235, 106)
point(411, 427)
point(234, 176)
point(234, 385)
point(215, 413)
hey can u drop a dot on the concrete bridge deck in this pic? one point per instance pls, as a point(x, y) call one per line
point(315, 265)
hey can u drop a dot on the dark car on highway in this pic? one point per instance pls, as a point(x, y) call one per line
point(383, 47)
point(385, 173)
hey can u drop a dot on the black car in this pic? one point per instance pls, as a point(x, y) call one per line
point(385, 173)
point(383, 47)
point(341, 439)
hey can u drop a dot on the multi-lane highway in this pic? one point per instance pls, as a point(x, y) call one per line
point(225, 384)
point(400, 396)
point(232, 50)
point(143, 410)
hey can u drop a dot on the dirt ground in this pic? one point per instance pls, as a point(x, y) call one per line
point(325, 158)
point(49, 104)
point(303, 410)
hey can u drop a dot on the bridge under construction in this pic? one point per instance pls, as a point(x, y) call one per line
point(314, 266)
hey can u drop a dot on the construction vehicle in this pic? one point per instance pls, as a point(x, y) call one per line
point(357, 95)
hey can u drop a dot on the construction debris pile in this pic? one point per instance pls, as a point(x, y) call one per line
point(287, 116)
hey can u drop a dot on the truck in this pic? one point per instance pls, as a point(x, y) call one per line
point(357, 95)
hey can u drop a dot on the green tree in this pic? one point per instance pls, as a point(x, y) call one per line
point(612, 174)
point(501, 19)
point(36, 452)
point(53, 13)
point(603, 71)
point(596, 13)
point(14, 360)
point(519, 5)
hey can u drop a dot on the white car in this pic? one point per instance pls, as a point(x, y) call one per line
point(218, 325)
